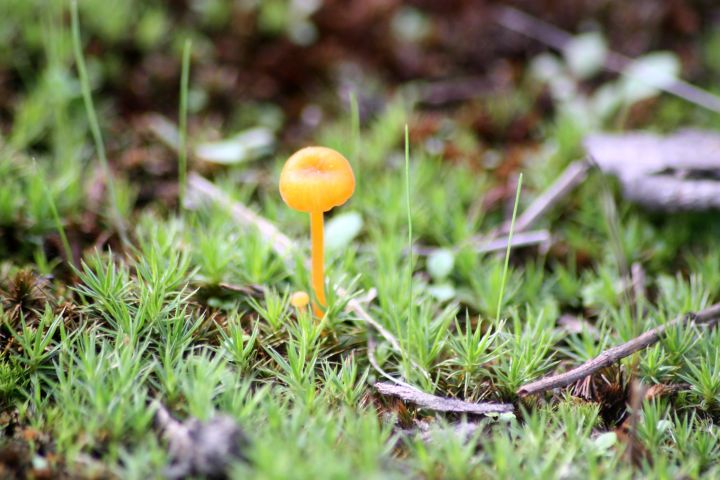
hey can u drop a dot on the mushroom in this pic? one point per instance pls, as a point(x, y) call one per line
point(314, 180)
point(299, 300)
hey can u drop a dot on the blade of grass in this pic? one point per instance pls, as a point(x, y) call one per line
point(355, 124)
point(93, 121)
point(612, 222)
point(509, 246)
point(409, 218)
point(182, 147)
point(58, 223)
point(410, 242)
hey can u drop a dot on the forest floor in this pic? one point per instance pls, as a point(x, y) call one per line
point(147, 329)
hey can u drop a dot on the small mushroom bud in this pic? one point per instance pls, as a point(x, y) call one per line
point(300, 300)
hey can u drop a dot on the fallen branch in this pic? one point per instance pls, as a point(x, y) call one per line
point(249, 290)
point(374, 363)
point(675, 172)
point(199, 188)
point(709, 316)
point(638, 282)
point(519, 239)
point(670, 194)
point(497, 244)
point(440, 404)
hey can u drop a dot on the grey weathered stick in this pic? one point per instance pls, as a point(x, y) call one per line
point(492, 244)
point(281, 243)
point(671, 194)
point(377, 367)
point(571, 177)
point(198, 185)
point(524, 24)
point(440, 404)
point(676, 172)
point(638, 283)
point(519, 239)
point(708, 316)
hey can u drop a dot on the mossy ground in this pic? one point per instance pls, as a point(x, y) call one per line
point(194, 310)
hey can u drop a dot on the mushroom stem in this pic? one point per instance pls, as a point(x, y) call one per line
point(318, 284)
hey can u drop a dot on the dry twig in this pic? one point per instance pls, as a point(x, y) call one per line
point(374, 363)
point(408, 393)
point(490, 244)
point(199, 187)
point(571, 177)
point(440, 404)
point(708, 316)
point(638, 282)
point(676, 172)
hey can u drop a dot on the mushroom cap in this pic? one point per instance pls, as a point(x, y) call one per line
point(316, 179)
point(299, 299)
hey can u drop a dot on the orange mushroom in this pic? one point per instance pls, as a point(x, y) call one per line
point(314, 180)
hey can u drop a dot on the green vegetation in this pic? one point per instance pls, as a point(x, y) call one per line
point(193, 309)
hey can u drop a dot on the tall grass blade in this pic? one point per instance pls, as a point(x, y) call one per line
point(93, 121)
point(509, 246)
point(182, 147)
point(409, 218)
point(355, 124)
point(58, 224)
